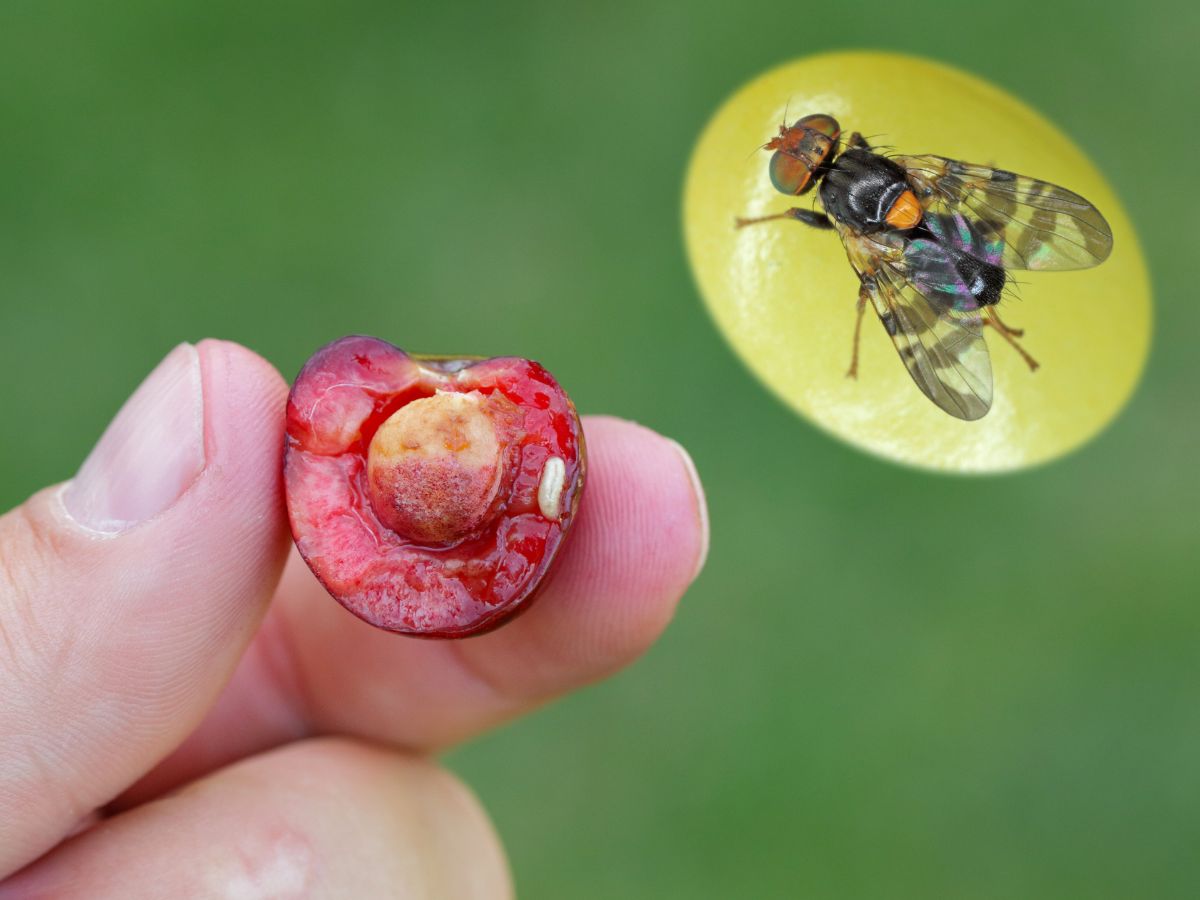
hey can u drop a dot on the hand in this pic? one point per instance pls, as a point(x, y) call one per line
point(185, 712)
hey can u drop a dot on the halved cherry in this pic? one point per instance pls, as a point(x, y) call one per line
point(429, 495)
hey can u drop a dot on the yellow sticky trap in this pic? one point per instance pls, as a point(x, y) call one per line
point(784, 294)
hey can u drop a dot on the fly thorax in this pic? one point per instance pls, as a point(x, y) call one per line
point(861, 188)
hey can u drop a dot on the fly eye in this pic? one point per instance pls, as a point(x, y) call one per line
point(789, 174)
point(826, 125)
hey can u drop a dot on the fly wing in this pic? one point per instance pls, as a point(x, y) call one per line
point(1001, 217)
point(931, 316)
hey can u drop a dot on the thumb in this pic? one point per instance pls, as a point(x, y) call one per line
point(127, 594)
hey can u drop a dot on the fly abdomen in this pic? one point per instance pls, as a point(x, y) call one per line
point(984, 281)
point(950, 278)
point(955, 262)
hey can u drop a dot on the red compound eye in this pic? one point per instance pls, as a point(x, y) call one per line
point(822, 124)
point(429, 496)
point(790, 174)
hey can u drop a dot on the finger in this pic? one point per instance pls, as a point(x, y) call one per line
point(321, 818)
point(127, 594)
point(640, 539)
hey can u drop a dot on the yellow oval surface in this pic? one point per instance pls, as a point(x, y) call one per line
point(784, 294)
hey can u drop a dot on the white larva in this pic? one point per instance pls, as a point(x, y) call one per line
point(550, 488)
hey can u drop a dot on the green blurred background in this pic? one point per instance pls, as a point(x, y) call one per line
point(886, 683)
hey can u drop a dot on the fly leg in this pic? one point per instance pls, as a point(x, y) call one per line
point(1015, 332)
point(807, 216)
point(852, 372)
point(990, 318)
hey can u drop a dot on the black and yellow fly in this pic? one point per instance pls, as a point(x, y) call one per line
point(931, 239)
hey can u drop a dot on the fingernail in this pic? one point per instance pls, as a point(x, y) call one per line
point(701, 506)
point(149, 454)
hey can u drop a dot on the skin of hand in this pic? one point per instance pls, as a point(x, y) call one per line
point(185, 712)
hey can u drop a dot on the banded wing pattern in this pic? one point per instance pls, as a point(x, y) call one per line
point(1033, 224)
point(930, 315)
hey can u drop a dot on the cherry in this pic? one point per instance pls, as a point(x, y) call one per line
point(429, 496)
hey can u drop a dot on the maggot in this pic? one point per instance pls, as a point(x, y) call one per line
point(550, 488)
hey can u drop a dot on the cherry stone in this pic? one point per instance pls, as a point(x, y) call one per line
point(434, 467)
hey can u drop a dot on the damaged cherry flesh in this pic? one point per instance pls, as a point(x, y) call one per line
point(429, 496)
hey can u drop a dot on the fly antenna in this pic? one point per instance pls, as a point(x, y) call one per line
point(756, 149)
